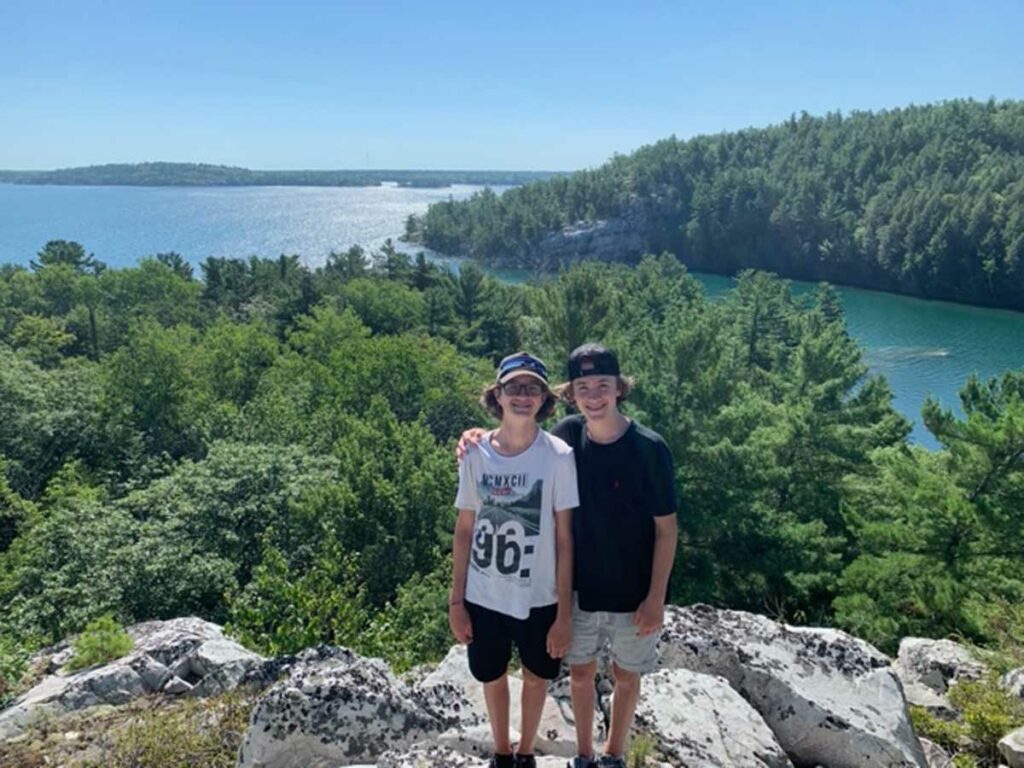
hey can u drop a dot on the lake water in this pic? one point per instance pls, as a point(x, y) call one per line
point(922, 347)
point(122, 224)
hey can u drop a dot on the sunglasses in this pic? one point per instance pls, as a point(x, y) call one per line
point(513, 389)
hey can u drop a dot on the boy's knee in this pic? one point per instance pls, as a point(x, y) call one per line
point(624, 677)
point(583, 674)
point(498, 682)
point(533, 681)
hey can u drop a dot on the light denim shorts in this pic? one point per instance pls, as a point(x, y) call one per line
point(591, 630)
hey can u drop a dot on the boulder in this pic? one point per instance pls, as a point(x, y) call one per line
point(927, 669)
point(936, 756)
point(1011, 747)
point(176, 656)
point(176, 687)
point(1013, 681)
point(334, 708)
point(829, 698)
point(435, 756)
point(217, 666)
point(451, 693)
point(700, 720)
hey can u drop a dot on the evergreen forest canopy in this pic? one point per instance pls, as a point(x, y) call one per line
point(271, 446)
point(205, 175)
point(927, 201)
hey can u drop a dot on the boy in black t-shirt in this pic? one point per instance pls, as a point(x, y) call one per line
point(624, 544)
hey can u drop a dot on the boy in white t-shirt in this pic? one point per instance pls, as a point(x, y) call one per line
point(512, 573)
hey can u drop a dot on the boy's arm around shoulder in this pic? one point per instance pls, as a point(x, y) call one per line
point(468, 440)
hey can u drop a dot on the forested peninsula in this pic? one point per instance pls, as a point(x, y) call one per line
point(205, 175)
point(925, 200)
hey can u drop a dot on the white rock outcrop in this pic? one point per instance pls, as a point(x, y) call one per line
point(1013, 681)
point(452, 693)
point(334, 708)
point(699, 720)
point(829, 698)
point(1011, 747)
point(185, 655)
point(927, 669)
point(733, 689)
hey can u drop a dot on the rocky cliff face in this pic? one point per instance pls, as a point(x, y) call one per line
point(622, 239)
point(732, 690)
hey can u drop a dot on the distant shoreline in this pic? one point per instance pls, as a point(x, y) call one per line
point(246, 185)
point(205, 175)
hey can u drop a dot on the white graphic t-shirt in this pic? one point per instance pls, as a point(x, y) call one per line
point(512, 561)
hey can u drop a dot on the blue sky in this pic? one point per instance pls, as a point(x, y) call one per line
point(514, 85)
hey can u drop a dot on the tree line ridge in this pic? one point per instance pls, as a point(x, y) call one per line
point(923, 200)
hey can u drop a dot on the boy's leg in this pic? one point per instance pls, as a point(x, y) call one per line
point(497, 698)
point(584, 700)
point(535, 693)
point(538, 668)
point(489, 654)
point(624, 699)
point(632, 656)
point(582, 661)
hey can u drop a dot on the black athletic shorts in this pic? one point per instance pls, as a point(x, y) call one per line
point(494, 633)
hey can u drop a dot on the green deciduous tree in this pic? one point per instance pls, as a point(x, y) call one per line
point(383, 306)
point(42, 338)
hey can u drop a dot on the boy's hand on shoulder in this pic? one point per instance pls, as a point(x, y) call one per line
point(460, 624)
point(469, 439)
point(559, 638)
point(649, 616)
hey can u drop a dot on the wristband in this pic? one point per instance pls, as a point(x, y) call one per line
point(455, 602)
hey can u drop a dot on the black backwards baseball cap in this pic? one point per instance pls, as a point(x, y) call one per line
point(522, 364)
point(592, 360)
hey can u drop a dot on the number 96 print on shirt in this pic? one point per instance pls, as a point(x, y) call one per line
point(508, 517)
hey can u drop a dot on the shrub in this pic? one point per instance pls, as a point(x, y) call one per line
point(989, 713)
point(285, 609)
point(13, 663)
point(948, 734)
point(414, 629)
point(104, 639)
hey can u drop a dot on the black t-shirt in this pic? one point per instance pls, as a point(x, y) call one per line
point(623, 486)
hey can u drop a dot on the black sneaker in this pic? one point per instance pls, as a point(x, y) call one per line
point(502, 761)
point(526, 761)
point(581, 761)
point(610, 761)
